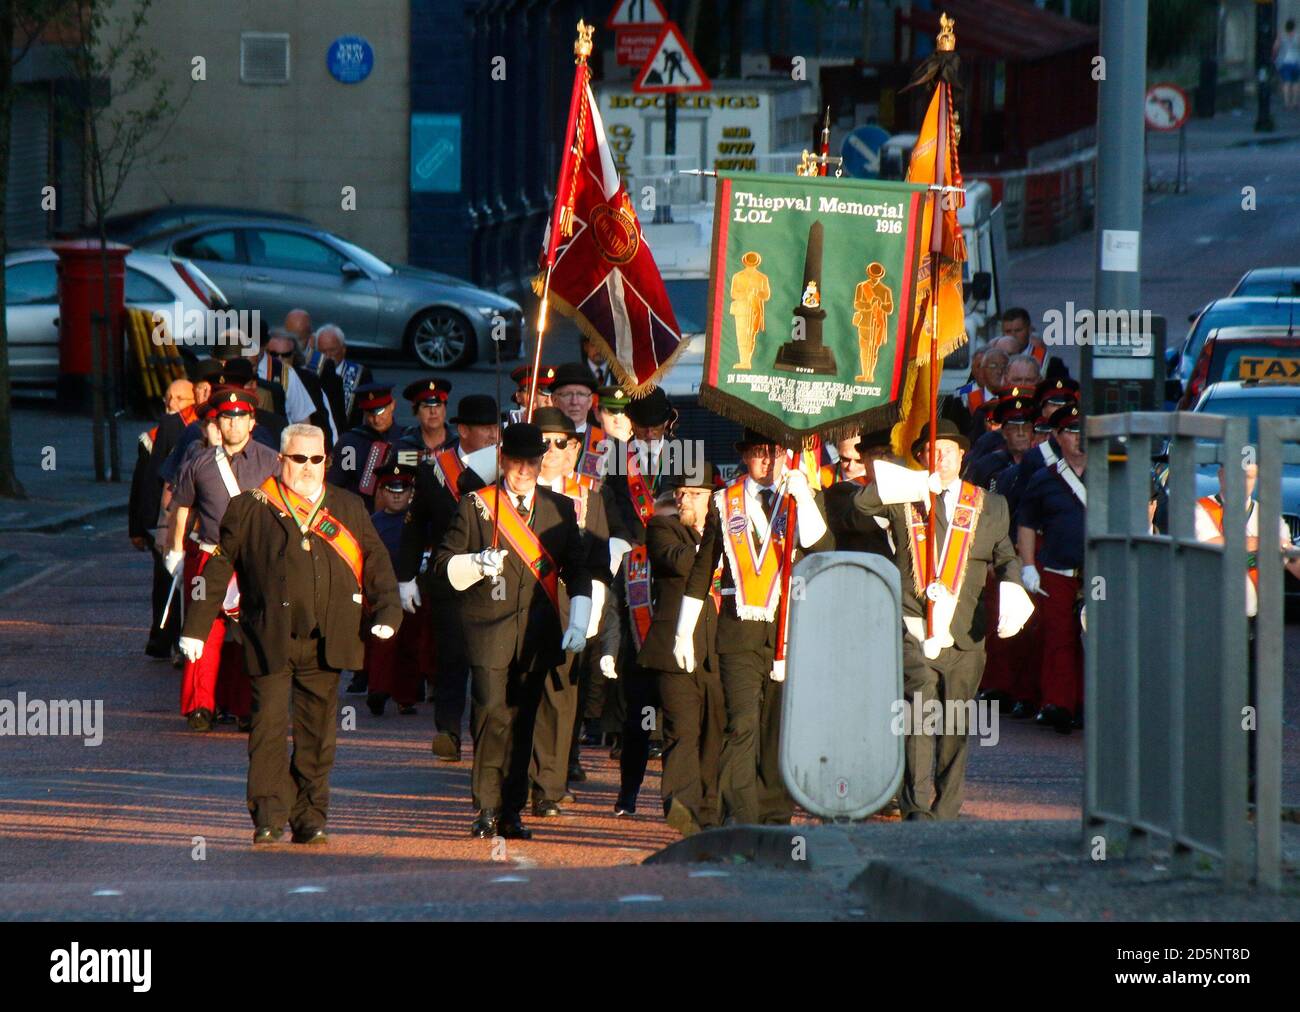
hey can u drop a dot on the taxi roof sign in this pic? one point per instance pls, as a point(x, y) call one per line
point(672, 66)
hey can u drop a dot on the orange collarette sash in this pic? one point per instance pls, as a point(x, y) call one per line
point(1212, 506)
point(449, 467)
point(577, 491)
point(757, 579)
point(523, 539)
point(956, 543)
point(330, 529)
point(593, 453)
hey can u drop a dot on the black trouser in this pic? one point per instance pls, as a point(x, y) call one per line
point(162, 585)
point(935, 763)
point(694, 725)
point(553, 729)
point(451, 668)
point(505, 706)
point(641, 691)
point(296, 789)
point(752, 789)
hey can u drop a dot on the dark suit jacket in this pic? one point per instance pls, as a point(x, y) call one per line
point(672, 547)
point(254, 538)
point(854, 531)
point(737, 635)
point(992, 548)
point(524, 626)
point(321, 416)
point(432, 510)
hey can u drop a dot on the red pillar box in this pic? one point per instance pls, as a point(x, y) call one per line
point(81, 297)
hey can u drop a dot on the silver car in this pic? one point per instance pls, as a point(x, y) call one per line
point(275, 266)
point(156, 283)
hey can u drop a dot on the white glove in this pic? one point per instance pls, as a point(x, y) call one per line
point(944, 609)
point(191, 648)
point(1083, 618)
point(684, 652)
point(778, 671)
point(796, 484)
point(381, 632)
point(491, 562)
point(617, 549)
point(1014, 609)
point(575, 637)
point(684, 639)
point(607, 667)
point(597, 608)
point(172, 561)
point(903, 484)
point(1031, 580)
point(410, 596)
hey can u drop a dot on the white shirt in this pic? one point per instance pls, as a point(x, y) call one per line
point(514, 496)
point(949, 498)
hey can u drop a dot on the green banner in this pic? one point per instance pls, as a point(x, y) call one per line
point(810, 302)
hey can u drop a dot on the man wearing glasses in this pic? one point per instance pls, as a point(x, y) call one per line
point(313, 574)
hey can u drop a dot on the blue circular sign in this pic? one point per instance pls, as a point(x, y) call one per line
point(861, 151)
point(350, 59)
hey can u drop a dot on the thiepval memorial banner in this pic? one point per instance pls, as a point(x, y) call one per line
point(810, 303)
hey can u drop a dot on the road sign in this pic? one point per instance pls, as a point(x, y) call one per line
point(841, 750)
point(672, 66)
point(635, 45)
point(1166, 107)
point(634, 13)
point(861, 151)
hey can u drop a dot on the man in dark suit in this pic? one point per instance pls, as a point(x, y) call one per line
point(749, 525)
point(517, 557)
point(853, 531)
point(694, 707)
point(943, 663)
point(309, 564)
point(441, 481)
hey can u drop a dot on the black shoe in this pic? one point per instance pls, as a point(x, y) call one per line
point(1055, 717)
point(1022, 711)
point(244, 724)
point(485, 826)
point(616, 748)
point(446, 746)
point(376, 701)
point(577, 774)
point(509, 827)
point(266, 834)
point(224, 716)
point(200, 720)
point(312, 837)
point(625, 806)
point(544, 809)
point(592, 735)
point(357, 687)
point(655, 752)
point(407, 709)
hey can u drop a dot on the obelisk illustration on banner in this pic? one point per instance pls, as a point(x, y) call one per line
point(809, 355)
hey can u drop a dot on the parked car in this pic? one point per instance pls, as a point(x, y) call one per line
point(152, 282)
point(1262, 355)
point(1243, 311)
point(1269, 281)
point(274, 266)
point(130, 228)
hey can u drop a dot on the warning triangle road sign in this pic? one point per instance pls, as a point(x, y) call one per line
point(672, 66)
point(635, 13)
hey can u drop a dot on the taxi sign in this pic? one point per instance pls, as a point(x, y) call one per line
point(1276, 370)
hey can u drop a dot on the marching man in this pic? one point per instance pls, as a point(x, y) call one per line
point(944, 662)
point(758, 523)
point(516, 557)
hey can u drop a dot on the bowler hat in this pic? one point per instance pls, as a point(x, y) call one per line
point(476, 409)
point(205, 370)
point(522, 441)
point(877, 440)
point(703, 475)
point(947, 430)
point(753, 437)
point(553, 420)
point(652, 409)
point(574, 374)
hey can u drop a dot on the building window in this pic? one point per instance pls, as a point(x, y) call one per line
point(264, 58)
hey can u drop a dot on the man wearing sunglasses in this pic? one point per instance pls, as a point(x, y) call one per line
point(205, 487)
point(313, 574)
point(557, 712)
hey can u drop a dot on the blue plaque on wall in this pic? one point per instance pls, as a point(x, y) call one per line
point(350, 59)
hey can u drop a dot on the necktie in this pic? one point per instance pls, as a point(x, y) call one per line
point(522, 507)
point(768, 497)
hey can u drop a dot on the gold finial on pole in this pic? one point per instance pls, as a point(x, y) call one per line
point(582, 45)
point(946, 41)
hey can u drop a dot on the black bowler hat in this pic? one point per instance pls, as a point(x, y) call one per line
point(753, 437)
point(704, 475)
point(431, 388)
point(205, 370)
point(572, 374)
point(553, 420)
point(947, 430)
point(652, 409)
point(878, 440)
point(477, 409)
point(522, 441)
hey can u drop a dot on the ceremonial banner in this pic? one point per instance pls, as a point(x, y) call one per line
point(811, 300)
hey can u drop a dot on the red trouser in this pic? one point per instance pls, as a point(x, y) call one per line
point(1011, 665)
point(395, 666)
point(1062, 641)
point(217, 679)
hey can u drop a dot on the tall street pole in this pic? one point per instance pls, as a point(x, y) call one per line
point(1121, 132)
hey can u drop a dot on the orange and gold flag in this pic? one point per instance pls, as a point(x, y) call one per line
point(934, 162)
